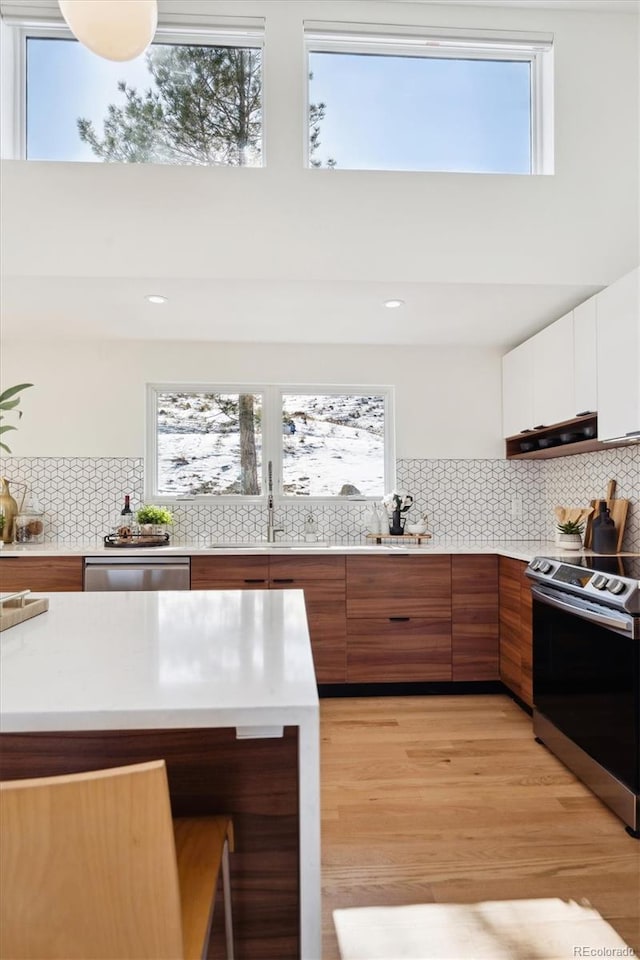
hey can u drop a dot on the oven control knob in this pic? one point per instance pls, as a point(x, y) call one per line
point(599, 582)
point(535, 564)
point(616, 586)
point(545, 566)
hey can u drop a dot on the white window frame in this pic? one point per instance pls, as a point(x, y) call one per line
point(537, 49)
point(272, 447)
point(14, 33)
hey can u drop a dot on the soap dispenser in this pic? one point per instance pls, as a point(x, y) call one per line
point(310, 528)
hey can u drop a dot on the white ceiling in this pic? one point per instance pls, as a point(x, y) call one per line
point(497, 315)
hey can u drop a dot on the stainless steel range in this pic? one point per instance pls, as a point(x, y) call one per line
point(586, 673)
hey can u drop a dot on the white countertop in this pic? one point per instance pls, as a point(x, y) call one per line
point(176, 659)
point(517, 549)
point(143, 660)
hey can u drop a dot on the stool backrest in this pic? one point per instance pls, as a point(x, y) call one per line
point(88, 867)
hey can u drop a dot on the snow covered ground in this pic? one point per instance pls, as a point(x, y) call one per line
point(329, 442)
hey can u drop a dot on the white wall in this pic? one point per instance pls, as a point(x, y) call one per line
point(88, 398)
point(579, 226)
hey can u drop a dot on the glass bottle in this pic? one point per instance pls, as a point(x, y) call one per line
point(126, 519)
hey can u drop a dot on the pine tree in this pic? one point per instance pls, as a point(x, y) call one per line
point(205, 107)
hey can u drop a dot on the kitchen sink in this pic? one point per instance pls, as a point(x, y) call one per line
point(295, 546)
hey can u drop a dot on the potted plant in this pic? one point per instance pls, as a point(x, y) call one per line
point(569, 534)
point(154, 520)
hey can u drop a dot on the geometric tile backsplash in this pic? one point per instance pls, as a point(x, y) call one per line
point(464, 499)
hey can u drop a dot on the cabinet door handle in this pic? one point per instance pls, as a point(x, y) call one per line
point(399, 619)
point(283, 580)
point(255, 581)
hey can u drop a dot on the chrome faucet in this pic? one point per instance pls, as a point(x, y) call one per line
point(271, 530)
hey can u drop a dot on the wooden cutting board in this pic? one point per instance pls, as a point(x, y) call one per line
point(618, 510)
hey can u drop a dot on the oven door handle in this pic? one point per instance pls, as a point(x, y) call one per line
point(623, 624)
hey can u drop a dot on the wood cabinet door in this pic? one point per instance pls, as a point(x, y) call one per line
point(42, 574)
point(475, 614)
point(324, 602)
point(243, 572)
point(386, 650)
point(516, 630)
point(399, 585)
point(526, 638)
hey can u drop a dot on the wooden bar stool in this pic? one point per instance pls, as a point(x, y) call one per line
point(92, 867)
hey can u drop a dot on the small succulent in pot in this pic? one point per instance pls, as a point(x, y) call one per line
point(570, 534)
point(153, 519)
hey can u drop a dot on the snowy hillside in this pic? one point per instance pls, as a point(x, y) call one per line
point(330, 444)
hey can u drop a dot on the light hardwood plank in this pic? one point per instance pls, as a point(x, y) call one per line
point(450, 799)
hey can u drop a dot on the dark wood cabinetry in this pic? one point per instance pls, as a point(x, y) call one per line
point(42, 574)
point(475, 615)
point(229, 572)
point(515, 629)
point(398, 618)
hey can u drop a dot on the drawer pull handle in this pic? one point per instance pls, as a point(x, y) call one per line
point(254, 581)
point(399, 619)
point(283, 580)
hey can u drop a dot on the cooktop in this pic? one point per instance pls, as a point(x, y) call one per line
point(622, 566)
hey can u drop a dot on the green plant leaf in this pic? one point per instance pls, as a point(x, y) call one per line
point(7, 427)
point(5, 447)
point(10, 404)
point(11, 392)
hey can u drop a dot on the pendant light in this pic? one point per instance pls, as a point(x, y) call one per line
point(113, 29)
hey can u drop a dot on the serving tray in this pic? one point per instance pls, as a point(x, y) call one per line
point(17, 607)
point(136, 540)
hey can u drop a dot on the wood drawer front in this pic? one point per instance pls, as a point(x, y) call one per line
point(398, 585)
point(306, 568)
point(234, 573)
point(44, 574)
point(383, 650)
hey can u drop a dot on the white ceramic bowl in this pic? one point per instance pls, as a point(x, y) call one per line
point(416, 528)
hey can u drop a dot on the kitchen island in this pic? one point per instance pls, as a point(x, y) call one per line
point(219, 684)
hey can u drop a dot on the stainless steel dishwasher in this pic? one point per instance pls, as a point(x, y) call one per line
point(145, 573)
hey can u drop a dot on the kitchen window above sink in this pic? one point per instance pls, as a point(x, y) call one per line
point(213, 442)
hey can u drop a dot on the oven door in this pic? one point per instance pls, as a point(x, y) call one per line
point(586, 679)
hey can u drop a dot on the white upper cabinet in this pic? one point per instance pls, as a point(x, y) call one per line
point(618, 354)
point(553, 373)
point(585, 371)
point(552, 376)
point(517, 389)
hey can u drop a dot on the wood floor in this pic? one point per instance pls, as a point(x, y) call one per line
point(450, 799)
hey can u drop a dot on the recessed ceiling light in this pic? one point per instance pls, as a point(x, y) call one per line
point(156, 298)
point(393, 303)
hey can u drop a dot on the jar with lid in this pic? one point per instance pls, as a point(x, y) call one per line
point(29, 523)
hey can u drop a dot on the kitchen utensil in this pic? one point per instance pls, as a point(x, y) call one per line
point(545, 442)
point(618, 510)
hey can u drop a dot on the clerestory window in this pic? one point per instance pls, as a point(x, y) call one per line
point(430, 100)
point(213, 441)
point(194, 97)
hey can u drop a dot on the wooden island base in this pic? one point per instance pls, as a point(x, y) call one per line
point(210, 771)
